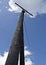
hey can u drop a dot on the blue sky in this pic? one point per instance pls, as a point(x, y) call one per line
point(34, 33)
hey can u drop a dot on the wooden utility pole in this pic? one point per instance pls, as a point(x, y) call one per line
point(17, 46)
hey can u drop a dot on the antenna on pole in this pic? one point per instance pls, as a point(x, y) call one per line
point(17, 46)
point(23, 9)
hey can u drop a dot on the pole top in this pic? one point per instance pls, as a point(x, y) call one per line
point(23, 10)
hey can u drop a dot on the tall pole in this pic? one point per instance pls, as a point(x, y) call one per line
point(17, 45)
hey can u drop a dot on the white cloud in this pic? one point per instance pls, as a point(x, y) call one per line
point(27, 53)
point(33, 6)
point(3, 58)
point(27, 60)
point(13, 7)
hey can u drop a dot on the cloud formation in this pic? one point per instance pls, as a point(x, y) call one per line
point(33, 6)
point(3, 58)
point(27, 60)
point(13, 7)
